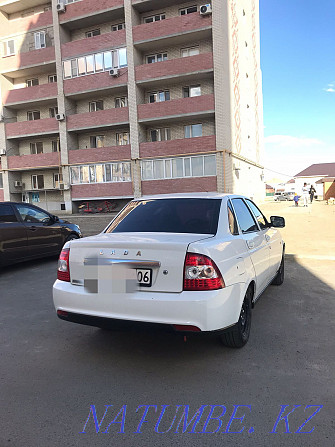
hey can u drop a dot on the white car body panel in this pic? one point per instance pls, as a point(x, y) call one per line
point(242, 260)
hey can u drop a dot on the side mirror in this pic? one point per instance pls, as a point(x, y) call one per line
point(277, 222)
point(55, 218)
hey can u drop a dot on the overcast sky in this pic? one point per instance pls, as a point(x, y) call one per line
point(298, 67)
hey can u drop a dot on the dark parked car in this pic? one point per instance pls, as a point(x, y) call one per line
point(28, 232)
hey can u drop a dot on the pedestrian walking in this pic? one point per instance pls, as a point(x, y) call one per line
point(296, 199)
point(312, 192)
point(305, 194)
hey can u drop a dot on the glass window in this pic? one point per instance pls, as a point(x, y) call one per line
point(177, 167)
point(147, 170)
point(32, 215)
point(197, 166)
point(191, 91)
point(155, 18)
point(92, 173)
point(92, 33)
point(261, 219)
point(75, 174)
point(210, 165)
point(84, 174)
point(74, 67)
point(99, 62)
point(33, 115)
point(192, 51)
point(158, 169)
point(9, 47)
point(157, 58)
point(90, 64)
point(67, 69)
point(122, 52)
point(188, 10)
point(232, 220)
point(187, 167)
point(118, 27)
point(97, 141)
point(36, 148)
point(1, 180)
point(168, 171)
point(99, 173)
point(122, 138)
point(81, 66)
point(7, 214)
point(32, 82)
point(244, 217)
point(57, 179)
point(52, 78)
point(55, 144)
point(108, 173)
point(169, 216)
point(94, 106)
point(193, 131)
point(121, 102)
point(37, 181)
point(53, 111)
point(108, 60)
point(39, 40)
point(126, 172)
point(117, 172)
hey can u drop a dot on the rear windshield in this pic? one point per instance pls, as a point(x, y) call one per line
point(168, 216)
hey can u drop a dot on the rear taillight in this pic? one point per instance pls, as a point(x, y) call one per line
point(201, 273)
point(63, 272)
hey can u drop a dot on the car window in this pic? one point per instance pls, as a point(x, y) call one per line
point(32, 215)
point(232, 220)
point(261, 219)
point(245, 219)
point(168, 216)
point(7, 214)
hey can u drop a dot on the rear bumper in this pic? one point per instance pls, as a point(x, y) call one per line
point(208, 311)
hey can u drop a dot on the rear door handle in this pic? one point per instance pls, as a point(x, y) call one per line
point(32, 228)
point(250, 244)
point(267, 238)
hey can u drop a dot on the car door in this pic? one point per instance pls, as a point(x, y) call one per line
point(272, 237)
point(256, 242)
point(44, 235)
point(13, 236)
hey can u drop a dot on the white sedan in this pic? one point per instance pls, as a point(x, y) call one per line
point(183, 262)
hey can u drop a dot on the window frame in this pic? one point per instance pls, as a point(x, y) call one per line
point(119, 100)
point(157, 95)
point(31, 82)
point(6, 48)
point(120, 138)
point(33, 112)
point(154, 17)
point(93, 33)
point(95, 103)
point(53, 111)
point(161, 131)
point(251, 214)
point(57, 145)
point(40, 40)
point(164, 56)
point(118, 26)
point(35, 149)
point(191, 127)
point(37, 177)
point(185, 11)
point(188, 89)
point(188, 49)
point(95, 139)
point(59, 181)
point(54, 77)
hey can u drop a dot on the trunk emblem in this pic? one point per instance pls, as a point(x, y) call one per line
point(101, 252)
point(138, 253)
point(113, 252)
point(125, 252)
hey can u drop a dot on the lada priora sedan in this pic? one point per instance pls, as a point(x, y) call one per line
point(184, 262)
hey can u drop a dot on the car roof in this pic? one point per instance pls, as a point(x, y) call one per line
point(190, 195)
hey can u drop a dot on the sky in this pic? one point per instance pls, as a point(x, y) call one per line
point(298, 69)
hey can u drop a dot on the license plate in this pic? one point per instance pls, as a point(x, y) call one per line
point(144, 277)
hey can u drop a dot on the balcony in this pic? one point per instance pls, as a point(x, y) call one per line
point(31, 62)
point(180, 30)
point(102, 191)
point(182, 69)
point(25, 129)
point(103, 119)
point(101, 154)
point(100, 83)
point(38, 95)
point(197, 107)
point(91, 12)
point(34, 161)
point(149, 5)
point(12, 6)
point(179, 185)
point(25, 24)
point(94, 44)
point(183, 146)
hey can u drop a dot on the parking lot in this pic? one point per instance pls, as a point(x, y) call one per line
point(55, 374)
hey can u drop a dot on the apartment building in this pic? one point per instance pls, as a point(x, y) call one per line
point(114, 99)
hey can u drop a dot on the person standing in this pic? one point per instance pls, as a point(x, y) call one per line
point(296, 199)
point(305, 194)
point(312, 192)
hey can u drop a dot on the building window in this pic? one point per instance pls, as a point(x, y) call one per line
point(178, 167)
point(47, 8)
point(122, 101)
point(39, 40)
point(97, 141)
point(33, 115)
point(95, 63)
point(55, 145)
point(57, 180)
point(94, 106)
point(191, 90)
point(69, 1)
point(101, 173)
point(122, 138)
point(36, 148)
point(159, 96)
point(37, 181)
point(160, 134)
point(52, 78)
point(1, 180)
point(118, 27)
point(159, 57)
point(53, 111)
point(92, 33)
point(155, 18)
point(193, 131)
point(32, 82)
point(188, 10)
point(9, 47)
point(192, 51)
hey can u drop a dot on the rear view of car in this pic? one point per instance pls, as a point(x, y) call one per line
point(171, 263)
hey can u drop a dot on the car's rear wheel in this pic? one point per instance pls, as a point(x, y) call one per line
point(279, 278)
point(238, 335)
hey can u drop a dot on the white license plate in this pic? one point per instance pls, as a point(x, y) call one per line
point(144, 277)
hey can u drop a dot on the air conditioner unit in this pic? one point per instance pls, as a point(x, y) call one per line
point(60, 117)
point(61, 7)
point(205, 10)
point(2, 151)
point(17, 184)
point(114, 72)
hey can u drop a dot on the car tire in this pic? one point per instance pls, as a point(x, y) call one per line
point(72, 237)
point(279, 278)
point(238, 335)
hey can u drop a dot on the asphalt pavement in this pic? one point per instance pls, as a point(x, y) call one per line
point(69, 385)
